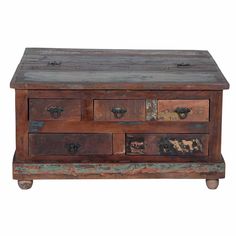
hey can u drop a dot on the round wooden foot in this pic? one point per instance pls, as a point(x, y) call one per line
point(25, 184)
point(212, 183)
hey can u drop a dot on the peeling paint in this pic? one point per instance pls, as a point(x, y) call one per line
point(76, 169)
point(151, 109)
point(173, 146)
point(168, 116)
point(34, 126)
point(135, 145)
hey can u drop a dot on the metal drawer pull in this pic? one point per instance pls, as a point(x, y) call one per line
point(54, 63)
point(55, 112)
point(72, 148)
point(182, 112)
point(118, 112)
point(183, 64)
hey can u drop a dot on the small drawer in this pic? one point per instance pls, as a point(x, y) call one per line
point(119, 110)
point(69, 144)
point(54, 109)
point(167, 144)
point(183, 110)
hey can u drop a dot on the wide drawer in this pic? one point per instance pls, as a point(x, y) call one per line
point(183, 110)
point(167, 144)
point(151, 110)
point(54, 109)
point(119, 110)
point(69, 144)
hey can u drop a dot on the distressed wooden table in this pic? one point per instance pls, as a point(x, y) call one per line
point(118, 114)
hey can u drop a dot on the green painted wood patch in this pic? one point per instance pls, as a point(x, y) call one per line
point(76, 169)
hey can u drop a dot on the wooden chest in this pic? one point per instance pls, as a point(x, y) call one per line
point(118, 114)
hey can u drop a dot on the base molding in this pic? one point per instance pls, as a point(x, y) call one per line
point(200, 170)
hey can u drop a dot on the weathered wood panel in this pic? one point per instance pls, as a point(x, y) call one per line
point(114, 69)
point(124, 170)
point(69, 144)
point(166, 106)
point(21, 102)
point(151, 109)
point(119, 110)
point(118, 143)
point(118, 158)
point(215, 126)
point(121, 94)
point(54, 109)
point(167, 144)
point(87, 109)
point(117, 127)
point(183, 110)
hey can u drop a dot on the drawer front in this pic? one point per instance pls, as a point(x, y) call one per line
point(167, 144)
point(54, 109)
point(119, 110)
point(183, 110)
point(69, 144)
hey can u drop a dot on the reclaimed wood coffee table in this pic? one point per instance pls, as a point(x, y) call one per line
point(118, 114)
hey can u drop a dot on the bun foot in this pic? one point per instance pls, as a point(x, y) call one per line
point(212, 183)
point(25, 184)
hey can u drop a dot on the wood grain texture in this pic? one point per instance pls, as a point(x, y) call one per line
point(21, 102)
point(87, 109)
point(180, 144)
point(135, 110)
point(121, 94)
point(215, 126)
point(117, 127)
point(39, 109)
point(83, 113)
point(69, 144)
point(199, 110)
point(118, 69)
point(118, 143)
point(118, 158)
point(26, 171)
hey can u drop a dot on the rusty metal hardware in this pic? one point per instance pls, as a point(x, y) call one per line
point(118, 112)
point(183, 64)
point(72, 148)
point(55, 112)
point(54, 63)
point(182, 112)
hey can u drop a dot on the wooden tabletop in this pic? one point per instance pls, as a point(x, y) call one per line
point(50, 68)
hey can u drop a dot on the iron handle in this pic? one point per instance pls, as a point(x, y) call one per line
point(55, 112)
point(183, 64)
point(72, 148)
point(118, 112)
point(182, 112)
point(54, 63)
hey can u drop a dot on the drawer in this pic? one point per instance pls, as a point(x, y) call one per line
point(183, 110)
point(69, 144)
point(54, 109)
point(119, 110)
point(167, 144)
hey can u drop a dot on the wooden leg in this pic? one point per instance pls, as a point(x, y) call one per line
point(212, 183)
point(25, 184)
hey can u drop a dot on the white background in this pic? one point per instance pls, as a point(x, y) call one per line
point(117, 207)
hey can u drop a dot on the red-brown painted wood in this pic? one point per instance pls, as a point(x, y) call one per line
point(54, 109)
point(134, 110)
point(69, 144)
point(22, 124)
